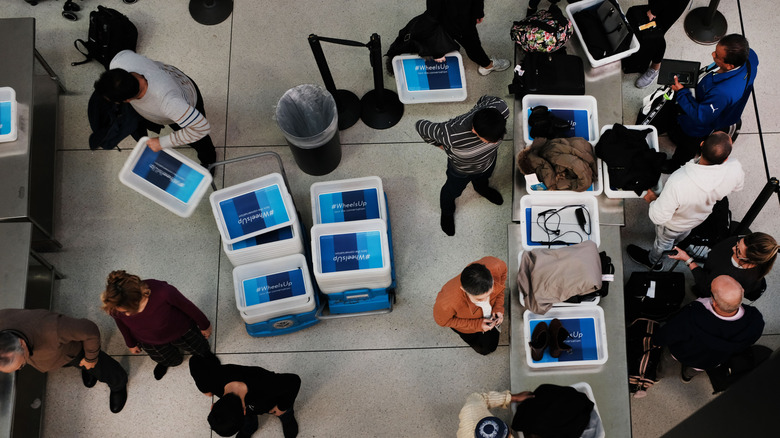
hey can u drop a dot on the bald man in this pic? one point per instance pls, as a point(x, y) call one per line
point(708, 331)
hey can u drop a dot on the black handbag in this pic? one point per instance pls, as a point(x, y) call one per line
point(654, 295)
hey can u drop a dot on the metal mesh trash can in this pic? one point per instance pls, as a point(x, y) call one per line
point(308, 118)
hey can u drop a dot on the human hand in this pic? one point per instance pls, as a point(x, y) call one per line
point(487, 325)
point(87, 365)
point(499, 318)
point(206, 333)
point(442, 59)
point(135, 350)
point(681, 255)
point(276, 411)
point(522, 396)
point(650, 15)
point(479, 20)
point(676, 86)
point(154, 144)
point(650, 196)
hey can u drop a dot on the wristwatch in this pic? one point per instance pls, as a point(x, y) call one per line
point(689, 261)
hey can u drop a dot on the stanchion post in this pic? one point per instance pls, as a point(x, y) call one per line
point(706, 25)
point(380, 108)
point(347, 102)
point(771, 187)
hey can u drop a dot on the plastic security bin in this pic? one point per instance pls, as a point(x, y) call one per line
point(273, 288)
point(589, 343)
point(8, 114)
point(266, 246)
point(309, 119)
point(424, 81)
point(348, 200)
point(587, 4)
point(652, 141)
point(253, 207)
point(581, 110)
point(591, 302)
point(532, 228)
point(166, 177)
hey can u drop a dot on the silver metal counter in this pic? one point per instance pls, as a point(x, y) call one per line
point(605, 84)
point(608, 381)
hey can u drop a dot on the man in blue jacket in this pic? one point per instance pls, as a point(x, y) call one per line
point(720, 98)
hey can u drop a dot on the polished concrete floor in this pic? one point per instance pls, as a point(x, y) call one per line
point(394, 375)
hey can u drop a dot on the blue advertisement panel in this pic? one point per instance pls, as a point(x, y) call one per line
point(254, 211)
point(348, 206)
point(582, 340)
point(5, 118)
point(274, 287)
point(276, 235)
point(351, 252)
point(425, 75)
point(169, 174)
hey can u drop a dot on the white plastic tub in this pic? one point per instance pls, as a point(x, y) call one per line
point(272, 288)
point(280, 242)
point(421, 81)
point(652, 140)
point(252, 207)
point(587, 336)
point(585, 4)
point(582, 110)
point(9, 117)
point(348, 200)
point(532, 205)
point(166, 177)
point(351, 255)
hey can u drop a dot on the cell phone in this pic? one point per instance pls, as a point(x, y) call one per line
point(683, 78)
point(670, 252)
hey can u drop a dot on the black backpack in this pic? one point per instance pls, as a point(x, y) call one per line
point(110, 32)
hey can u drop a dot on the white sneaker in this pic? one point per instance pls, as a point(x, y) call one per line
point(647, 78)
point(498, 65)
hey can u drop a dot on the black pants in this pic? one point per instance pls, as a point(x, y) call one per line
point(469, 40)
point(686, 147)
point(106, 370)
point(457, 182)
point(483, 343)
point(170, 354)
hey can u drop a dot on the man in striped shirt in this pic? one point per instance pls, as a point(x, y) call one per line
point(471, 143)
point(162, 95)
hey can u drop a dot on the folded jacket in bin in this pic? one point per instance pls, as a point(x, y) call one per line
point(353, 205)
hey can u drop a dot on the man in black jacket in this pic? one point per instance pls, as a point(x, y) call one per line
point(708, 331)
point(245, 392)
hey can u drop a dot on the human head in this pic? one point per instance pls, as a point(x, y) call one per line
point(476, 279)
point(761, 249)
point(727, 294)
point(117, 85)
point(12, 352)
point(227, 415)
point(731, 52)
point(716, 148)
point(491, 427)
point(489, 124)
point(123, 293)
point(205, 371)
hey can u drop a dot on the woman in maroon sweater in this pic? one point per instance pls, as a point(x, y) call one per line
point(155, 317)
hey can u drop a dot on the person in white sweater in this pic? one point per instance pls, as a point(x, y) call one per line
point(162, 95)
point(689, 195)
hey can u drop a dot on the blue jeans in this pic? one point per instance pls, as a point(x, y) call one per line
point(665, 239)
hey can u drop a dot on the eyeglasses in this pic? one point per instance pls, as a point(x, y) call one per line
point(740, 257)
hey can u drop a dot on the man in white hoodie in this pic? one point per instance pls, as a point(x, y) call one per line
point(689, 195)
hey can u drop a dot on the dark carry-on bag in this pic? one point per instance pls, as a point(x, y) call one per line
point(549, 73)
point(642, 356)
point(110, 32)
point(654, 295)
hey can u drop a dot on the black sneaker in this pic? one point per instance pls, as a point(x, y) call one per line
point(88, 379)
point(289, 424)
point(642, 256)
point(492, 195)
point(687, 373)
point(159, 371)
point(448, 224)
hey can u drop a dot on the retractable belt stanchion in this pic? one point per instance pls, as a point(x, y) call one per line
point(379, 108)
point(706, 25)
point(347, 102)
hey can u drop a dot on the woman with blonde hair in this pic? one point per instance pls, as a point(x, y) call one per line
point(747, 259)
point(155, 317)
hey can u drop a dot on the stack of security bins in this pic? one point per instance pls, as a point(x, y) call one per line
point(261, 236)
point(351, 245)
